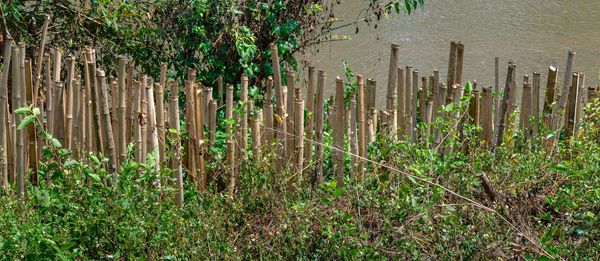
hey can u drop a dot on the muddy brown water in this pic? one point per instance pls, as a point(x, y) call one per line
point(532, 33)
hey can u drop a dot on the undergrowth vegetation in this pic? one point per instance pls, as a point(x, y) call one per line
point(547, 205)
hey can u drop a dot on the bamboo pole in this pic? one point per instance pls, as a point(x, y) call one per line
point(137, 125)
point(38, 68)
point(581, 103)
point(31, 140)
point(414, 105)
point(486, 116)
point(175, 163)
point(437, 140)
point(370, 93)
point(89, 112)
point(190, 153)
point(268, 115)
point(536, 97)
point(255, 132)
point(291, 86)
point(500, 122)
point(220, 90)
point(3, 112)
point(450, 78)
point(17, 103)
point(408, 91)
point(208, 95)
point(562, 104)
point(123, 100)
point(362, 126)
point(114, 89)
point(97, 123)
point(76, 122)
point(352, 127)
point(400, 117)
point(299, 141)
point(152, 123)
point(549, 100)
point(230, 156)
point(59, 114)
point(296, 130)
point(423, 99)
point(69, 103)
point(436, 94)
point(322, 77)
point(432, 97)
point(24, 82)
point(82, 118)
point(456, 115)
point(496, 87)
point(572, 103)
point(244, 116)
point(460, 50)
point(200, 148)
point(49, 93)
point(106, 124)
point(212, 123)
point(143, 121)
point(392, 77)
point(428, 114)
point(131, 96)
point(474, 107)
point(526, 110)
point(310, 117)
point(339, 131)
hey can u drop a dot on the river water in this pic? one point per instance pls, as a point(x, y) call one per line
point(531, 33)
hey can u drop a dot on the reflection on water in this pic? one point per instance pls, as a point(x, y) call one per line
point(533, 34)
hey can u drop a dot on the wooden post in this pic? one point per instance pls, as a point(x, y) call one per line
point(562, 104)
point(549, 100)
point(244, 116)
point(106, 124)
point(174, 164)
point(500, 122)
point(362, 146)
point(486, 116)
point(319, 125)
point(3, 112)
point(339, 131)
point(220, 90)
point(572, 103)
point(400, 115)
point(268, 115)
point(310, 117)
point(371, 92)
point(212, 124)
point(392, 77)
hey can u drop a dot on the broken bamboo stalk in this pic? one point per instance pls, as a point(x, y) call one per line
point(549, 106)
point(486, 116)
point(392, 77)
point(562, 104)
point(500, 122)
point(106, 124)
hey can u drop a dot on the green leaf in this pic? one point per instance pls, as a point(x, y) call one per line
point(55, 143)
point(338, 192)
point(23, 110)
point(94, 159)
point(26, 121)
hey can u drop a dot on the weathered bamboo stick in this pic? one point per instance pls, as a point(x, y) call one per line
point(17, 103)
point(151, 116)
point(526, 110)
point(122, 123)
point(82, 118)
point(230, 156)
point(428, 115)
point(572, 103)
point(562, 104)
point(432, 97)
point(89, 112)
point(76, 122)
point(436, 94)
point(244, 116)
point(460, 50)
point(69, 103)
point(3, 112)
point(408, 91)
point(289, 106)
point(38, 68)
point(162, 80)
point(137, 125)
point(581, 103)
point(160, 121)
point(50, 92)
point(31, 140)
point(220, 90)
point(319, 117)
point(268, 115)
point(392, 77)
point(487, 131)
point(400, 115)
point(451, 76)
point(422, 98)
point(207, 95)
point(537, 106)
point(106, 124)
point(441, 98)
point(310, 117)
point(299, 141)
point(474, 107)
point(23, 89)
point(496, 88)
point(190, 97)
point(549, 100)
point(414, 105)
point(370, 93)
point(255, 132)
point(96, 106)
point(362, 146)
point(143, 118)
point(175, 163)
point(212, 122)
point(500, 122)
point(199, 128)
point(131, 96)
point(339, 131)
point(456, 115)
point(352, 126)
point(114, 89)
point(59, 115)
